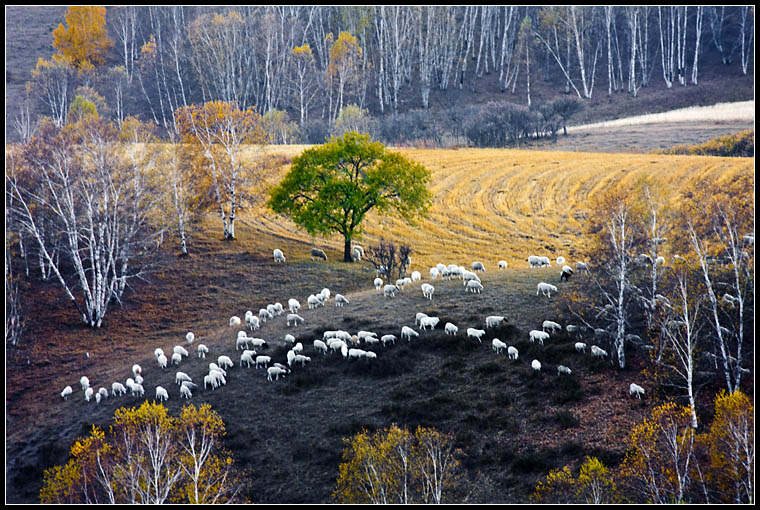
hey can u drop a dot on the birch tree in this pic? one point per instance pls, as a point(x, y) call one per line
point(746, 33)
point(697, 44)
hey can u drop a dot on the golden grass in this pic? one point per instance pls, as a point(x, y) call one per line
point(494, 204)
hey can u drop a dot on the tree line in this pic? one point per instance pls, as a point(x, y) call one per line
point(307, 63)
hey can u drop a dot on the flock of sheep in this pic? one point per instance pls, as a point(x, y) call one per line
point(349, 345)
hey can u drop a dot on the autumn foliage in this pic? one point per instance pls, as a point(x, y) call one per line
point(84, 41)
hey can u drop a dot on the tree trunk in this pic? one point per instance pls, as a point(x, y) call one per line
point(347, 250)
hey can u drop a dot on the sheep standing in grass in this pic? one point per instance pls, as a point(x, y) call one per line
point(427, 290)
point(357, 253)
point(184, 391)
point(434, 273)
point(545, 288)
point(293, 305)
point(635, 389)
point(252, 322)
point(502, 264)
point(88, 394)
point(388, 339)
point(493, 321)
point(319, 345)
point(560, 261)
point(278, 255)
point(316, 253)
point(263, 361)
point(234, 321)
point(553, 326)
point(119, 388)
point(408, 333)
point(536, 365)
point(562, 369)
point(474, 286)
point(416, 276)
point(295, 319)
point(598, 352)
point(161, 393)
point(275, 372)
point(475, 333)
point(162, 361)
point(478, 266)
point(450, 329)
point(566, 273)
point(190, 337)
point(378, 283)
point(66, 392)
point(498, 345)
point(340, 300)
point(538, 335)
point(581, 266)
point(426, 322)
point(512, 352)
point(247, 358)
point(202, 351)
point(181, 377)
point(264, 314)
point(390, 290)
point(580, 347)
point(225, 362)
point(84, 382)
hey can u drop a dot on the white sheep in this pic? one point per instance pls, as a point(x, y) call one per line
point(190, 337)
point(158, 352)
point(560, 261)
point(545, 288)
point(119, 388)
point(180, 350)
point(363, 335)
point(357, 253)
point(276, 372)
point(475, 333)
point(493, 321)
point(272, 311)
point(370, 340)
point(162, 361)
point(562, 369)
point(598, 352)
point(427, 290)
point(581, 266)
point(319, 254)
point(300, 358)
point(102, 392)
point(136, 369)
point(182, 377)
point(534, 261)
point(88, 392)
point(340, 300)
point(580, 347)
point(263, 360)
point(512, 352)
point(378, 282)
point(290, 338)
point(161, 393)
point(432, 322)
point(295, 319)
point(312, 301)
point(390, 290)
point(335, 345)
point(247, 358)
point(235, 321)
point(502, 264)
point(298, 348)
point(474, 286)
point(498, 345)
point(265, 315)
point(137, 390)
point(536, 365)
point(478, 266)
point(450, 329)
point(225, 362)
point(416, 276)
point(538, 335)
point(468, 276)
point(138, 379)
point(66, 392)
point(319, 345)
point(184, 391)
point(370, 355)
point(242, 341)
point(293, 305)
point(386, 339)
point(202, 350)
point(408, 333)
point(176, 358)
point(434, 273)
point(572, 328)
point(278, 255)
point(84, 382)
point(553, 326)
point(419, 316)
point(566, 273)
point(635, 389)
point(355, 353)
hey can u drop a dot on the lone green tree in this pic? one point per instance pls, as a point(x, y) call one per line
point(330, 188)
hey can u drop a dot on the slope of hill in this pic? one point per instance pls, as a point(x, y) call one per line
point(512, 425)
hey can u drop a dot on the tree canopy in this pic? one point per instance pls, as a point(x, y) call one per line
point(330, 188)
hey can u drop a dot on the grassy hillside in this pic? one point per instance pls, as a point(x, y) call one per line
point(512, 425)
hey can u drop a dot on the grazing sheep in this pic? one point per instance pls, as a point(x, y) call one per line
point(264, 314)
point(263, 360)
point(162, 361)
point(416, 276)
point(300, 358)
point(469, 276)
point(137, 390)
point(176, 358)
point(85, 382)
point(475, 333)
point(242, 342)
point(161, 393)
point(502, 264)
point(493, 321)
point(278, 255)
point(390, 290)
point(428, 321)
point(434, 273)
point(427, 290)
point(181, 377)
point(190, 337)
point(581, 266)
point(119, 388)
point(408, 333)
point(312, 301)
point(295, 318)
point(259, 343)
point(272, 311)
point(67, 391)
point(536, 365)
point(225, 362)
point(158, 352)
point(553, 326)
point(247, 358)
point(298, 348)
point(319, 254)
point(136, 369)
point(202, 351)
point(276, 372)
point(138, 379)
point(512, 352)
point(498, 345)
point(580, 347)
point(357, 253)
point(293, 305)
point(562, 369)
point(319, 345)
point(378, 283)
point(545, 288)
point(450, 329)
point(538, 335)
point(180, 350)
point(355, 353)
point(184, 391)
point(234, 321)
point(598, 352)
point(478, 266)
point(88, 394)
point(370, 340)
point(572, 328)
point(290, 338)
point(560, 260)
point(536, 261)
point(340, 300)
point(635, 389)
point(363, 335)
point(210, 380)
point(566, 273)
point(386, 339)
point(419, 316)
point(474, 286)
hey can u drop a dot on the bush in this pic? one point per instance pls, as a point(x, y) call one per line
point(741, 144)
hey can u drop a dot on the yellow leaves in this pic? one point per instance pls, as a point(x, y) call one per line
point(84, 41)
point(594, 485)
point(303, 50)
